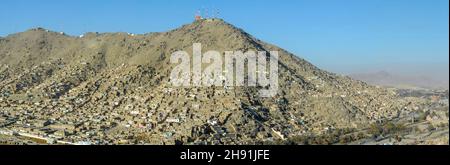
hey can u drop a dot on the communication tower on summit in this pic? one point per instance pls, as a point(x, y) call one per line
point(198, 16)
point(204, 14)
point(217, 13)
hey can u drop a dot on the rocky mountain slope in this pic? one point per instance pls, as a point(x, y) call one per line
point(111, 88)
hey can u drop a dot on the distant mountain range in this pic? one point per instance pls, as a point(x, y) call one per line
point(384, 78)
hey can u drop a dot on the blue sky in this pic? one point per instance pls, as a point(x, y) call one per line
point(343, 36)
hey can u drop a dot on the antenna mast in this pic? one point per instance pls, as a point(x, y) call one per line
point(198, 15)
point(217, 13)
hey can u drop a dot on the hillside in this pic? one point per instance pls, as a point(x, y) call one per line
point(110, 88)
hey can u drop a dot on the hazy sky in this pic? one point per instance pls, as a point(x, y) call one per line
point(344, 36)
